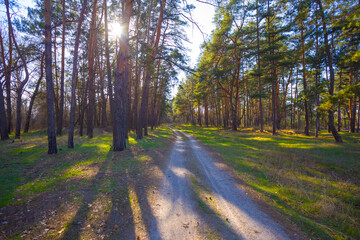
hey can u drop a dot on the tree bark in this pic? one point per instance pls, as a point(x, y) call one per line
point(332, 77)
point(74, 77)
point(143, 118)
point(3, 124)
point(32, 99)
point(52, 149)
point(306, 103)
point(3, 121)
point(8, 71)
point(199, 113)
point(62, 74)
point(206, 115)
point(102, 94)
point(121, 82)
point(22, 84)
point(259, 70)
point(91, 82)
point(339, 105)
point(352, 104)
point(317, 81)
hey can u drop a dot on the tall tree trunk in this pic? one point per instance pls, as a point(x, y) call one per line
point(285, 91)
point(339, 105)
point(32, 99)
point(199, 113)
point(8, 71)
point(291, 105)
point(317, 81)
point(352, 104)
point(83, 107)
point(3, 121)
point(295, 98)
point(91, 82)
point(306, 103)
point(155, 93)
point(102, 94)
point(3, 124)
point(259, 69)
point(358, 120)
point(62, 74)
point(128, 102)
point(135, 105)
point(22, 84)
point(74, 77)
point(332, 76)
point(121, 82)
point(56, 82)
point(49, 82)
point(19, 92)
point(143, 118)
point(206, 111)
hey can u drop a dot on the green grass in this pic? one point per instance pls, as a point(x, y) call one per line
point(26, 169)
point(314, 181)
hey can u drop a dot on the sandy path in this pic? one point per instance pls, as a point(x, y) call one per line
point(174, 210)
point(177, 213)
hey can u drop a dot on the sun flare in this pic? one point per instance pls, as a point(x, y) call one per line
point(115, 30)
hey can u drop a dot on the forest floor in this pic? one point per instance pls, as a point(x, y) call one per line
point(313, 181)
point(91, 192)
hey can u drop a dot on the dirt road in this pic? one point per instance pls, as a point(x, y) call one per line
point(198, 199)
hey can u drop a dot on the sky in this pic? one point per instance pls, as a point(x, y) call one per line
point(203, 15)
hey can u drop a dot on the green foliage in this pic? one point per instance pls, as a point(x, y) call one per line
point(341, 97)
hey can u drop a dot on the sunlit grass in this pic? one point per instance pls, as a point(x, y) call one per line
point(26, 169)
point(314, 181)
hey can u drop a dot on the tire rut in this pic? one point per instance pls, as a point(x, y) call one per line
point(231, 214)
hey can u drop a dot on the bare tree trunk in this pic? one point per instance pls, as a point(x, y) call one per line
point(56, 82)
point(339, 106)
point(358, 120)
point(143, 118)
point(332, 77)
point(306, 131)
point(291, 105)
point(199, 113)
point(206, 111)
point(155, 94)
point(259, 69)
point(32, 99)
point(49, 82)
point(62, 74)
point(74, 77)
point(317, 82)
point(19, 92)
point(137, 75)
point(121, 82)
point(91, 82)
point(3, 121)
point(102, 94)
point(22, 84)
point(83, 106)
point(352, 104)
point(3, 125)
point(128, 103)
point(8, 71)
